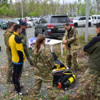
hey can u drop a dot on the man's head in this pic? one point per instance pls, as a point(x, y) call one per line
point(67, 26)
point(98, 28)
point(17, 28)
point(23, 25)
point(11, 26)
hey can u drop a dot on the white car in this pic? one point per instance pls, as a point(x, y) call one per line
point(35, 21)
point(29, 24)
point(96, 19)
point(81, 21)
point(16, 20)
point(28, 18)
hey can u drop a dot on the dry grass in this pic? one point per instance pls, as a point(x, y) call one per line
point(83, 92)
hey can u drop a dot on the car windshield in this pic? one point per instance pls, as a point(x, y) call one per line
point(16, 19)
point(1, 20)
point(4, 21)
point(60, 19)
point(76, 18)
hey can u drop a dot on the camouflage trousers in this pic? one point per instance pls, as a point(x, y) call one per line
point(71, 57)
point(94, 76)
point(10, 69)
point(27, 55)
point(48, 94)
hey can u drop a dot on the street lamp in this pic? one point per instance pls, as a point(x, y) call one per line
point(22, 8)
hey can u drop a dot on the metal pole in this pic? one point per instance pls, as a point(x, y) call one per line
point(22, 8)
point(97, 6)
point(87, 18)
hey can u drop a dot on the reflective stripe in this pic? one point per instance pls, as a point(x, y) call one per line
point(17, 63)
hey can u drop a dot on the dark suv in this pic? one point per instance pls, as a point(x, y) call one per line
point(52, 26)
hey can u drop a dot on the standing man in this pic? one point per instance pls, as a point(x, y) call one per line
point(71, 44)
point(7, 34)
point(18, 56)
point(93, 72)
point(24, 41)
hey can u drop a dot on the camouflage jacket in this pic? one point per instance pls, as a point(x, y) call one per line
point(43, 61)
point(7, 34)
point(72, 38)
point(24, 37)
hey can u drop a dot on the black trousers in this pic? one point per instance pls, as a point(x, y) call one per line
point(17, 71)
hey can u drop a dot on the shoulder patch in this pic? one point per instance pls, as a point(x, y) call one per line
point(17, 39)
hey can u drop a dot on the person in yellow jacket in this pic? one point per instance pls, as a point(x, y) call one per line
point(71, 43)
point(18, 56)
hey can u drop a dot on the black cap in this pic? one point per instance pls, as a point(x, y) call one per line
point(23, 23)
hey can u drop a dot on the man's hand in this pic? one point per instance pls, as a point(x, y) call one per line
point(64, 46)
point(65, 41)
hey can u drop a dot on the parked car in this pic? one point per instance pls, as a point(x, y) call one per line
point(4, 24)
point(96, 19)
point(71, 20)
point(81, 21)
point(52, 26)
point(28, 18)
point(36, 21)
point(29, 24)
point(1, 20)
point(16, 20)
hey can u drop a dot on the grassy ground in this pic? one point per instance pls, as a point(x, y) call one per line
point(27, 79)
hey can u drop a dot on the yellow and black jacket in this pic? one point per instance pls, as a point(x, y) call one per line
point(16, 46)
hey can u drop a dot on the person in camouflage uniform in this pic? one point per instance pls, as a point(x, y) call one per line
point(7, 34)
point(93, 49)
point(43, 60)
point(24, 41)
point(71, 44)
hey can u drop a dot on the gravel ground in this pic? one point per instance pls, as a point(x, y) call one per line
point(91, 30)
point(28, 81)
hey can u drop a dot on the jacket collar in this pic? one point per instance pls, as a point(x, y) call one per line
point(17, 34)
point(10, 31)
point(69, 30)
point(98, 34)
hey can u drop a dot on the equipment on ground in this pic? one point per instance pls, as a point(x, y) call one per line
point(63, 77)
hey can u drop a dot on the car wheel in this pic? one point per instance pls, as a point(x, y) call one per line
point(89, 24)
point(76, 24)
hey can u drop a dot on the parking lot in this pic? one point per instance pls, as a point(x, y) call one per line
point(30, 33)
